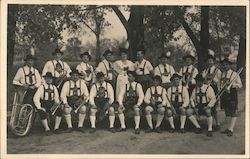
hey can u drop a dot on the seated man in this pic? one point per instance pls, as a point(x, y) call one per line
point(101, 99)
point(132, 98)
point(202, 101)
point(45, 97)
point(179, 100)
point(155, 100)
point(75, 95)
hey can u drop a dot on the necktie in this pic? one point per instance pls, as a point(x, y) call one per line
point(165, 70)
point(30, 76)
point(110, 66)
point(186, 74)
point(200, 96)
point(75, 89)
point(176, 99)
point(58, 64)
point(49, 92)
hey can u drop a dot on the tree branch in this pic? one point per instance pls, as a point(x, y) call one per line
point(121, 17)
point(86, 24)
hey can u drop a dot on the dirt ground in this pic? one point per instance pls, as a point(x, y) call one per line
point(105, 142)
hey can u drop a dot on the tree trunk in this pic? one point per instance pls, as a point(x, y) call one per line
point(98, 54)
point(241, 58)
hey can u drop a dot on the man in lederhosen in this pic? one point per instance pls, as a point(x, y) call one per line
point(101, 99)
point(132, 98)
point(86, 70)
point(59, 69)
point(27, 79)
point(45, 97)
point(155, 100)
point(202, 102)
point(75, 95)
point(179, 101)
point(165, 70)
point(189, 72)
point(212, 76)
point(143, 69)
point(229, 99)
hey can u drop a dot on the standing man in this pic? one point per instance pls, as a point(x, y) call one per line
point(59, 69)
point(143, 69)
point(165, 70)
point(75, 95)
point(132, 98)
point(101, 99)
point(179, 101)
point(229, 99)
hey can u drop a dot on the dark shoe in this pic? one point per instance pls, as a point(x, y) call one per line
point(171, 130)
point(149, 130)
point(92, 130)
point(58, 131)
point(48, 133)
point(81, 129)
point(216, 128)
point(69, 130)
point(182, 130)
point(209, 133)
point(225, 131)
point(112, 130)
point(230, 133)
point(137, 131)
point(121, 129)
point(158, 130)
point(198, 131)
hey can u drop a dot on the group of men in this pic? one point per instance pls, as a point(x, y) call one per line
point(117, 88)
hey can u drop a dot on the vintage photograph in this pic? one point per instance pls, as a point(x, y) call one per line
point(126, 79)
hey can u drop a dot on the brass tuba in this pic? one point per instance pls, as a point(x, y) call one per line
point(22, 115)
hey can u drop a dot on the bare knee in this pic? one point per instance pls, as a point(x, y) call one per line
point(169, 113)
point(111, 111)
point(189, 112)
point(208, 112)
point(82, 110)
point(161, 111)
point(183, 111)
point(148, 110)
point(137, 111)
point(67, 110)
point(93, 112)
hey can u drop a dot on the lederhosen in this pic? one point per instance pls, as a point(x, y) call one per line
point(101, 98)
point(57, 80)
point(168, 72)
point(144, 79)
point(75, 98)
point(199, 105)
point(229, 101)
point(155, 96)
point(186, 76)
point(28, 98)
point(112, 82)
point(175, 99)
point(131, 97)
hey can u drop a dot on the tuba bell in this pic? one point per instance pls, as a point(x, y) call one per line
point(22, 116)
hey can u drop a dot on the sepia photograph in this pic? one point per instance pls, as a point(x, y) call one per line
point(125, 79)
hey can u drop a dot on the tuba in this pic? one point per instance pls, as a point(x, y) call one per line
point(22, 115)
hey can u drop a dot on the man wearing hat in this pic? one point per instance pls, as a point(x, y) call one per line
point(143, 69)
point(27, 79)
point(131, 98)
point(45, 97)
point(155, 100)
point(101, 100)
point(212, 76)
point(165, 70)
point(202, 101)
point(86, 70)
point(189, 72)
point(59, 69)
point(229, 99)
point(179, 101)
point(75, 95)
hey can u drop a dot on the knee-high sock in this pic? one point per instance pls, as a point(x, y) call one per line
point(137, 122)
point(149, 120)
point(45, 124)
point(68, 120)
point(232, 123)
point(171, 121)
point(228, 120)
point(159, 120)
point(183, 120)
point(81, 119)
point(194, 121)
point(111, 121)
point(122, 120)
point(92, 121)
point(210, 123)
point(57, 122)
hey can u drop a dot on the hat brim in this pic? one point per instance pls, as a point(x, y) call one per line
point(47, 76)
point(172, 78)
point(188, 56)
point(33, 58)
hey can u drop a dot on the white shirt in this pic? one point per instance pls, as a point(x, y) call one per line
point(82, 67)
point(104, 67)
point(165, 72)
point(183, 94)
point(67, 92)
point(143, 68)
point(119, 66)
point(40, 94)
point(208, 98)
point(192, 70)
point(230, 74)
point(20, 78)
point(214, 71)
point(109, 94)
point(138, 90)
point(50, 67)
point(160, 90)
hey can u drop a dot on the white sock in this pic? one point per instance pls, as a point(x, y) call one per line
point(57, 122)
point(171, 122)
point(159, 120)
point(210, 123)
point(111, 121)
point(194, 121)
point(228, 120)
point(122, 120)
point(183, 120)
point(137, 122)
point(149, 120)
point(92, 121)
point(232, 123)
point(81, 120)
point(68, 120)
point(45, 124)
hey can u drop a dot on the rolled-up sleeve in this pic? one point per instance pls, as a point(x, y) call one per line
point(165, 101)
point(92, 95)
point(57, 98)
point(110, 93)
point(140, 94)
point(38, 79)
point(147, 96)
point(85, 91)
point(17, 78)
point(64, 92)
point(185, 97)
point(211, 97)
point(38, 96)
point(237, 82)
